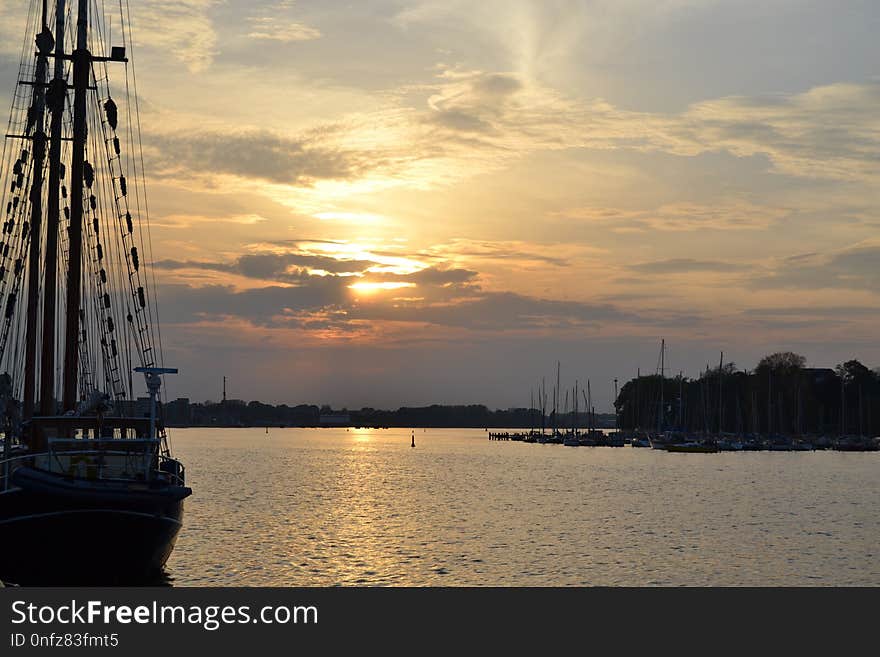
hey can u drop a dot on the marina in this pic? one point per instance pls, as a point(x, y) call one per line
point(701, 445)
point(708, 416)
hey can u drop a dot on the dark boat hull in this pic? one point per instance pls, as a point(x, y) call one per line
point(48, 540)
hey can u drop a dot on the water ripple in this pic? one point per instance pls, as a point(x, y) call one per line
point(331, 507)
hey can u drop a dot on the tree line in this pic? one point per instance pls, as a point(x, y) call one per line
point(257, 414)
point(780, 396)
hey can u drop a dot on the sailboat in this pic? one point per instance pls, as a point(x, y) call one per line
point(660, 439)
point(89, 490)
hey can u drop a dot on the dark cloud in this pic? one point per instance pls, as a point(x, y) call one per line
point(502, 251)
point(497, 84)
point(273, 306)
point(687, 265)
point(321, 302)
point(294, 268)
point(438, 276)
point(283, 267)
point(497, 311)
point(815, 311)
point(460, 120)
point(182, 304)
point(856, 268)
point(476, 104)
point(299, 296)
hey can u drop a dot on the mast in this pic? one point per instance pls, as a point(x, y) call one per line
point(590, 405)
point(558, 394)
point(616, 412)
point(565, 408)
point(660, 411)
point(82, 61)
point(56, 97)
point(38, 106)
point(543, 404)
point(720, 398)
point(638, 418)
point(681, 400)
point(531, 410)
point(703, 383)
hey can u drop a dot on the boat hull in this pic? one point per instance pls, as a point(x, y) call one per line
point(47, 540)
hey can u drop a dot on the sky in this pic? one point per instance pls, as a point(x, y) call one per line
point(386, 202)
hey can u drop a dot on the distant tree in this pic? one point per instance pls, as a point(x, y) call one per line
point(727, 370)
point(853, 372)
point(782, 363)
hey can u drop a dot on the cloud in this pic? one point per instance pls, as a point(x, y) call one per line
point(689, 265)
point(540, 37)
point(856, 267)
point(304, 269)
point(182, 28)
point(259, 155)
point(504, 311)
point(502, 251)
point(297, 286)
point(270, 29)
point(855, 320)
point(330, 299)
point(300, 262)
point(473, 101)
point(14, 27)
point(829, 132)
point(815, 312)
point(467, 122)
point(682, 216)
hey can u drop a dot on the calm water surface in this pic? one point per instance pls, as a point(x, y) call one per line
point(317, 507)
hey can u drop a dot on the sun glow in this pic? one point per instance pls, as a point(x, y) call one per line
point(350, 217)
point(370, 288)
point(375, 253)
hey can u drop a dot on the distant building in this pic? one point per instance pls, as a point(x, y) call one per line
point(335, 420)
point(178, 411)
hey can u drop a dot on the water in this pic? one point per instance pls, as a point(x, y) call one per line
point(318, 507)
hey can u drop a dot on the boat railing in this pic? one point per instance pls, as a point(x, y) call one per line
point(8, 466)
point(95, 465)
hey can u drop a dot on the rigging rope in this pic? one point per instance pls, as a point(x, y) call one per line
point(118, 313)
